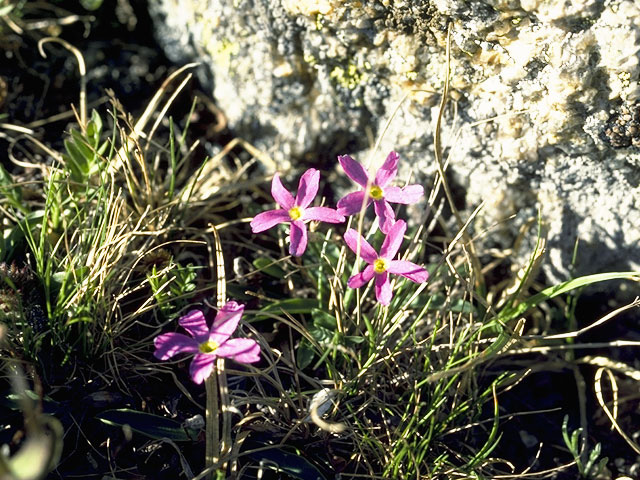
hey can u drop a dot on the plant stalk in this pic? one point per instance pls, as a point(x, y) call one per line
point(212, 429)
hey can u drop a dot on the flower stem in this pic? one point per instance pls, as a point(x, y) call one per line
point(212, 446)
point(225, 438)
point(212, 429)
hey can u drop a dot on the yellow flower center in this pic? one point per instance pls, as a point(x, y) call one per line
point(208, 347)
point(376, 192)
point(295, 213)
point(380, 265)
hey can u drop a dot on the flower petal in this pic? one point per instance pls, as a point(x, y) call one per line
point(362, 278)
point(265, 220)
point(170, 344)
point(201, 367)
point(307, 187)
point(406, 195)
point(226, 322)
point(298, 236)
point(383, 288)
point(243, 350)
point(280, 194)
point(386, 217)
point(409, 270)
point(353, 239)
point(195, 323)
point(322, 214)
point(388, 170)
point(353, 202)
point(354, 170)
point(392, 243)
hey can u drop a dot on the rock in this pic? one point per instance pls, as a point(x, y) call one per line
point(553, 85)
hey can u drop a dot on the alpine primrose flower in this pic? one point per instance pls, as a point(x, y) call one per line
point(296, 210)
point(379, 192)
point(208, 343)
point(380, 266)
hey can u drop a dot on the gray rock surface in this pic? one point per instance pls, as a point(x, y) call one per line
point(554, 85)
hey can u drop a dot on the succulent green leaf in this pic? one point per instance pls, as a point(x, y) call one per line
point(267, 266)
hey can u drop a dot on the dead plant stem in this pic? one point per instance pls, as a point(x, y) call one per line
point(477, 273)
point(212, 442)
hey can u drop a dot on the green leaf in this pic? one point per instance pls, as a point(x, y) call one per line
point(12, 401)
point(94, 127)
point(321, 334)
point(565, 287)
point(323, 319)
point(462, 306)
point(82, 148)
point(153, 426)
point(238, 292)
point(103, 148)
point(304, 355)
point(353, 339)
point(75, 162)
point(184, 280)
point(8, 187)
point(268, 266)
point(292, 306)
point(83, 144)
point(288, 460)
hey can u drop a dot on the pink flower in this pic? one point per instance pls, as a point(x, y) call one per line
point(295, 210)
point(379, 192)
point(208, 343)
point(380, 266)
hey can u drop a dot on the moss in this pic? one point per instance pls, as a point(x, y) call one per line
point(349, 78)
point(222, 51)
point(310, 59)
